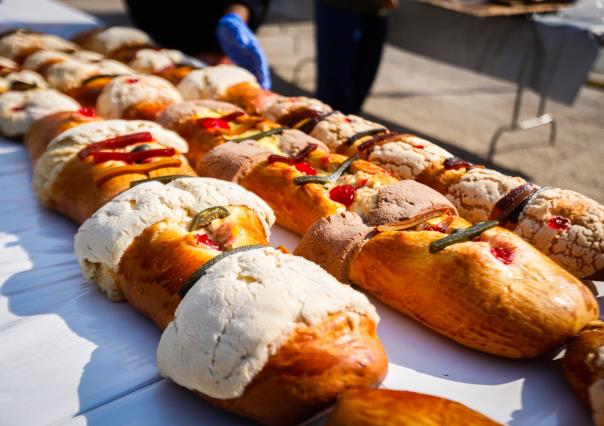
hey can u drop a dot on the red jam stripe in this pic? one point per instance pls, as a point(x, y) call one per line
point(131, 157)
point(117, 142)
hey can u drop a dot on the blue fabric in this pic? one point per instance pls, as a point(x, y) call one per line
point(241, 45)
point(349, 50)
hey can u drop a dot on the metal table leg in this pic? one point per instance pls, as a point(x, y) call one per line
point(541, 119)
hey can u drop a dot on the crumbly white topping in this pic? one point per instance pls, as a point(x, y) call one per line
point(26, 76)
point(212, 82)
point(580, 248)
point(337, 128)
point(71, 73)
point(215, 192)
point(102, 240)
point(19, 109)
point(241, 312)
point(151, 60)
point(36, 60)
point(109, 66)
point(8, 63)
point(39, 58)
point(123, 92)
point(113, 38)
point(180, 112)
point(478, 190)
point(65, 146)
point(88, 56)
point(18, 43)
point(285, 105)
point(408, 158)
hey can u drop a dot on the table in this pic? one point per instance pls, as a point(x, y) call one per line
point(484, 10)
point(69, 356)
point(551, 56)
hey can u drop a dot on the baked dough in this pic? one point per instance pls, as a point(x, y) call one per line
point(297, 206)
point(108, 40)
point(68, 75)
point(496, 293)
point(153, 60)
point(136, 97)
point(272, 337)
point(21, 43)
point(584, 368)
point(213, 82)
point(42, 131)
point(18, 110)
point(9, 81)
point(122, 247)
point(383, 407)
point(59, 168)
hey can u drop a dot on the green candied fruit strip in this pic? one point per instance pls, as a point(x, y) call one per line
point(258, 136)
point(461, 235)
point(160, 179)
point(202, 271)
point(204, 217)
point(323, 180)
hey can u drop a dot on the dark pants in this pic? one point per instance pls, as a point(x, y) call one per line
point(349, 46)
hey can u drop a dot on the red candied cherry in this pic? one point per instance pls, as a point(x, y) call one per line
point(503, 255)
point(87, 112)
point(305, 168)
point(18, 108)
point(348, 120)
point(205, 240)
point(213, 123)
point(342, 194)
point(558, 223)
point(436, 228)
point(418, 146)
point(132, 80)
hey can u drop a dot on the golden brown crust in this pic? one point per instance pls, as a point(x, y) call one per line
point(310, 370)
point(127, 53)
point(42, 69)
point(84, 38)
point(160, 260)
point(382, 407)
point(579, 366)
point(249, 97)
point(88, 93)
point(75, 194)
point(174, 74)
point(42, 131)
point(296, 207)
point(145, 110)
point(202, 141)
point(464, 292)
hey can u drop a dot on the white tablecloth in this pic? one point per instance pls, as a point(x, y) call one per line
point(67, 355)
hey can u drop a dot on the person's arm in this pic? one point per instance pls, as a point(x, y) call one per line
point(237, 40)
point(252, 12)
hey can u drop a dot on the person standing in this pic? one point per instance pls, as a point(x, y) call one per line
point(350, 36)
